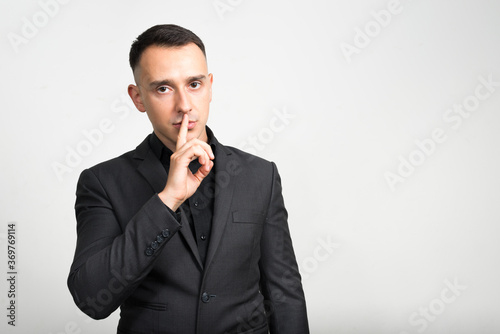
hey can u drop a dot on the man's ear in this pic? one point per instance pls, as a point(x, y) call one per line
point(133, 92)
point(211, 80)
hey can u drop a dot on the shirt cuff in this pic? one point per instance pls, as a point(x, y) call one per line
point(176, 214)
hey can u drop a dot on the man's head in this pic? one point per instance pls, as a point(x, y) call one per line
point(165, 35)
point(172, 79)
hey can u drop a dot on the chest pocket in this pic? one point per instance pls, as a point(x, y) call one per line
point(245, 233)
point(248, 217)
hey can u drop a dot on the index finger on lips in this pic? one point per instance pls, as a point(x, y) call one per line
point(182, 136)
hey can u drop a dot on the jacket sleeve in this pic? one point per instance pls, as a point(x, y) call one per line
point(109, 262)
point(280, 278)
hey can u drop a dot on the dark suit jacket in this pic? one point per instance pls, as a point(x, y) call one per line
point(132, 252)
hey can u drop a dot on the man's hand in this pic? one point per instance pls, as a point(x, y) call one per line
point(182, 183)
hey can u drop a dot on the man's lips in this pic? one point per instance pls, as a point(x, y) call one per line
point(191, 125)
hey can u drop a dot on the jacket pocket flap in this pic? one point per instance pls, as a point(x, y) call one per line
point(249, 217)
point(151, 306)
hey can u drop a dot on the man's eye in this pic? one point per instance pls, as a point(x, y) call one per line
point(194, 85)
point(163, 89)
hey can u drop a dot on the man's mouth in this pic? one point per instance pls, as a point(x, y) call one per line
point(191, 125)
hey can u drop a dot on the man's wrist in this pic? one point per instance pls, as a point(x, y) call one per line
point(171, 203)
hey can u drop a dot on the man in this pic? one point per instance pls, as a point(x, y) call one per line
point(184, 234)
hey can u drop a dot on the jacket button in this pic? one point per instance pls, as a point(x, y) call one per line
point(149, 251)
point(205, 297)
point(155, 245)
point(160, 238)
point(165, 233)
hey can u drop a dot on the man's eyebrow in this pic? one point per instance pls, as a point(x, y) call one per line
point(196, 78)
point(157, 83)
point(168, 82)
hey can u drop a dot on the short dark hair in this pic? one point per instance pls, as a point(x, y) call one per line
point(167, 35)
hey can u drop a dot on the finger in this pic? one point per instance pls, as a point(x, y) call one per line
point(182, 136)
point(210, 152)
point(203, 158)
point(196, 142)
point(207, 148)
point(190, 152)
point(202, 172)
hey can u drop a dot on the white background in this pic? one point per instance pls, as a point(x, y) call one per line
point(353, 118)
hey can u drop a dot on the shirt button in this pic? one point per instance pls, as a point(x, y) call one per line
point(196, 204)
point(203, 237)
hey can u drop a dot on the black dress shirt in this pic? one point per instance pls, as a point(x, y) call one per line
point(200, 206)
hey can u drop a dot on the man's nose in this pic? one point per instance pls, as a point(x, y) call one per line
point(183, 102)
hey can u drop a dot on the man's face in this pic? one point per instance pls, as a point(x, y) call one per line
point(172, 82)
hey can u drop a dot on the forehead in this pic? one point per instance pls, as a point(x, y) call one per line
point(159, 62)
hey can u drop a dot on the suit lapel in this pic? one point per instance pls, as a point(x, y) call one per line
point(222, 202)
point(154, 173)
point(152, 169)
point(188, 235)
